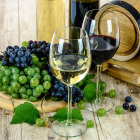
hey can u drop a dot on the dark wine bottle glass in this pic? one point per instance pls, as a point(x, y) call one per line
point(79, 8)
point(102, 27)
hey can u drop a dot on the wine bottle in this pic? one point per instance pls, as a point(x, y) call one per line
point(79, 9)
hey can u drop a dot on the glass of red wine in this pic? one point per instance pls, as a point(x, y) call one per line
point(103, 30)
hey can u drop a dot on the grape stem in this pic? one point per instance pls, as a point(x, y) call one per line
point(69, 113)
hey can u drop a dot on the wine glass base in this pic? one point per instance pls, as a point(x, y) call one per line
point(74, 130)
point(106, 103)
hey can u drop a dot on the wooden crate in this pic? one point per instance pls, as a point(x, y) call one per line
point(128, 71)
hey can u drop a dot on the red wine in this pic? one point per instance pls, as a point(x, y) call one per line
point(103, 48)
point(79, 9)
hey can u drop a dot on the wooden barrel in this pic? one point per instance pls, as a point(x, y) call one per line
point(129, 24)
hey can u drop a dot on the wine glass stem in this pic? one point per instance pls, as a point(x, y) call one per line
point(69, 113)
point(98, 100)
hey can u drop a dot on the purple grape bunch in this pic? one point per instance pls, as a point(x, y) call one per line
point(21, 57)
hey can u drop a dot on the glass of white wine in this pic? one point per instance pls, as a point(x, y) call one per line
point(70, 60)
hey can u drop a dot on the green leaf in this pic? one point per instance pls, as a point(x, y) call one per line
point(61, 115)
point(24, 44)
point(25, 113)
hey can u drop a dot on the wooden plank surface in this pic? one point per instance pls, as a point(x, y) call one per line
point(18, 23)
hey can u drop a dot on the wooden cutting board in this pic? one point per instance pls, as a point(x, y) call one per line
point(48, 105)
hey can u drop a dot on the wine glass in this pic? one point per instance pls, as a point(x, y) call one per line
point(70, 59)
point(102, 27)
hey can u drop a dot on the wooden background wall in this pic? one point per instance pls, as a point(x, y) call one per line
point(21, 16)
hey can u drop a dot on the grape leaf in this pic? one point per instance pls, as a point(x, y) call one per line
point(61, 115)
point(25, 113)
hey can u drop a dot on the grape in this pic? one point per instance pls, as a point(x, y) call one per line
point(103, 85)
point(22, 90)
point(27, 86)
point(31, 71)
point(11, 77)
point(90, 124)
point(24, 96)
point(16, 85)
point(1, 74)
point(23, 59)
point(47, 85)
point(81, 105)
point(128, 99)
point(37, 70)
point(40, 122)
point(0, 83)
point(22, 79)
point(29, 78)
point(44, 72)
point(5, 80)
point(112, 93)
point(125, 106)
point(16, 77)
point(35, 59)
point(30, 42)
point(40, 65)
point(10, 51)
point(26, 70)
point(23, 49)
point(39, 43)
point(36, 93)
point(4, 62)
point(34, 82)
point(39, 88)
point(32, 98)
point(101, 112)
point(119, 110)
point(11, 82)
point(47, 78)
point(8, 72)
point(15, 71)
point(15, 96)
point(16, 47)
point(11, 67)
point(4, 68)
point(45, 91)
point(20, 53)
point(24, 65)
point(37, 75)
point(28, 54)
point(11, 60)
point(133, 108)
point(4, 87)
point(6, 92)
point(29, 92)
point(10, 89)
point(24, 43)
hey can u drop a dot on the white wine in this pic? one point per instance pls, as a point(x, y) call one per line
point(70, 69)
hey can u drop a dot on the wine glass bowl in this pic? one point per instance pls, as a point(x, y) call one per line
point(102, 27)
point(70, 59)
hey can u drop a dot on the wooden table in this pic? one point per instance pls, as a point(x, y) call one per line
point(18, 24)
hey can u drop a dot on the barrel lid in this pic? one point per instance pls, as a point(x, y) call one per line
point(129, 25)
